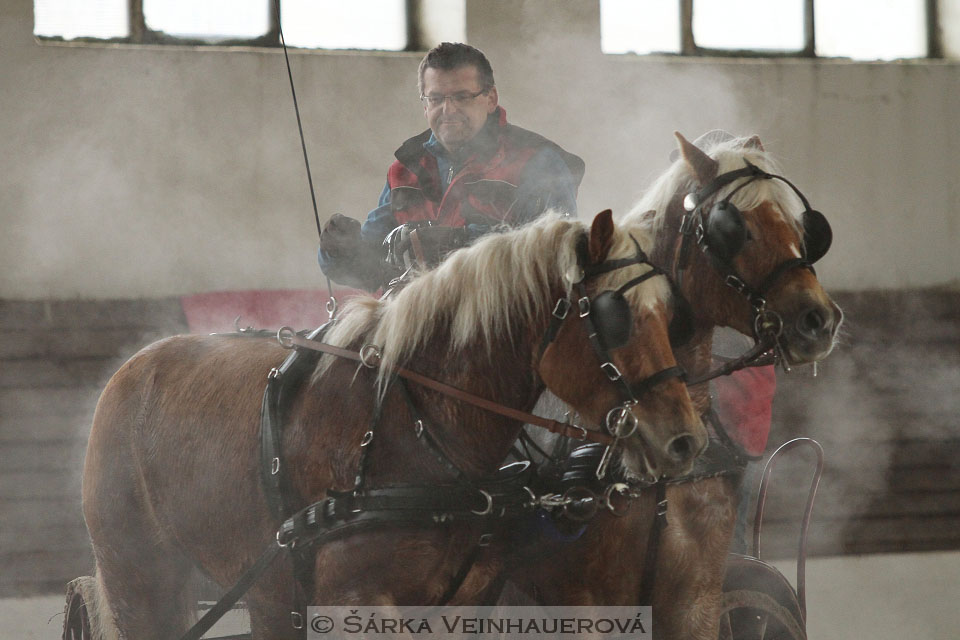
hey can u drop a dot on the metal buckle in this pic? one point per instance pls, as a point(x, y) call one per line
point(584, 306)
point(561, 309)
point(274, 374)
point(275, 466)
point(662, 507)
point(698, 235)
point(367, 439)
point(611, 370)
point(485, 540)
point(735, 283)
point(296, 619)
point(331, 308)
point(418, 428)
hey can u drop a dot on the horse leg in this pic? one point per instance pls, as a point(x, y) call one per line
point(687, 596)
point(145, 584)
point(141, 575)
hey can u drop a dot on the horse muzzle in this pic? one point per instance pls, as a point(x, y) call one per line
point(811, 333)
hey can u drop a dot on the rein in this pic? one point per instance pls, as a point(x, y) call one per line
point(369, 357)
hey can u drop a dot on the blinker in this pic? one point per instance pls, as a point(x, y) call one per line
point(817, 235)
point(611, 315)
point(725, 230)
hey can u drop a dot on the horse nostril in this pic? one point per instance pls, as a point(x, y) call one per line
point(811, 323)
point(682, 448)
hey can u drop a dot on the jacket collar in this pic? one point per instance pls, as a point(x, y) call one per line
point(481, 147)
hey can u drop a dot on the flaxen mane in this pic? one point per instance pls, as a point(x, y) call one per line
point(730, 155)
point(484, 292)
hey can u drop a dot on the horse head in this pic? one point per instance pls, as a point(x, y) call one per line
point(607, 352)
point(740, 241)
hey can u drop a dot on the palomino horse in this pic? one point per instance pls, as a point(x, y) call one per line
point(766, 242)
point(171, 479)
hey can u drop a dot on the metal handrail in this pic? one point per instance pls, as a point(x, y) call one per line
point(805, 524)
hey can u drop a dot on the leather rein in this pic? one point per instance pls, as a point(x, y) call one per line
point(369, 356)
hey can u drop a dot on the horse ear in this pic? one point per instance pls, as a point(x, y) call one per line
point(703, 166)
point(753, 142)
point(601, 236)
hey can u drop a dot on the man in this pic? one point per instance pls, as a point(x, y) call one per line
point(468, 174)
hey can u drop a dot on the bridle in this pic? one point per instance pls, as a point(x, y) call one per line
point(607, 320)
point(720, 232)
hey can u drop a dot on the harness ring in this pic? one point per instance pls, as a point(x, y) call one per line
point(370, 355)
point(622, 489)
point(617, 418)
point(486, 510)
point(285, 337)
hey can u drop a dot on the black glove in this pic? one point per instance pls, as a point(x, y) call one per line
point(348, 259)
point(340, 236)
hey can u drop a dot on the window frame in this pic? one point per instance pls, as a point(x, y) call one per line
point(140, 34)
point(689, 47)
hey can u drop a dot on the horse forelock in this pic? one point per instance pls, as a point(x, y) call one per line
point(483, 293)
point(730, 156)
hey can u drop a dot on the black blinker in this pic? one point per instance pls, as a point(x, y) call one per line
point(725, 231)
point(681, 325)
point(611, 316)
point(817, 234)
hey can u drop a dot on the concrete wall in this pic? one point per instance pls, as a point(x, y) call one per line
point(153, 171)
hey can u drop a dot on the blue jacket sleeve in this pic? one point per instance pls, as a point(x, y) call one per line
point(380, 221)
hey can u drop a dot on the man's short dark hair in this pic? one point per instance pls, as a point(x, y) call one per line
point(453, 55)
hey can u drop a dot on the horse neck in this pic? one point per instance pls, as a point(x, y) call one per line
point(477, 440)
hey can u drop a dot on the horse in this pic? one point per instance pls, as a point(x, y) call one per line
point(172, 476)
point(756, 237)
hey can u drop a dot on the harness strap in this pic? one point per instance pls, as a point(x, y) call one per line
point(423, 434)
point(752, 358)
point(653, 545)
point(233, 596)
point(461, 575)
point(553, 426)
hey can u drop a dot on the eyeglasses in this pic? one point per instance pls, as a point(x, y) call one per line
point(459, 99)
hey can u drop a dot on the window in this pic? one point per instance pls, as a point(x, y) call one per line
point(856, 29)
point(391, 25)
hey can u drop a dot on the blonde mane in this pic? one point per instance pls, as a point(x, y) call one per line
point(484, 292)
point(730, 156)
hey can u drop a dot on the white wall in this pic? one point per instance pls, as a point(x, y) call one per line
point(148, 171)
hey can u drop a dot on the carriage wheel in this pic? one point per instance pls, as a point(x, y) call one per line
point(76, 621)
point(754, 615)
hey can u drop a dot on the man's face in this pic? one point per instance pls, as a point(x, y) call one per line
point(457, 119)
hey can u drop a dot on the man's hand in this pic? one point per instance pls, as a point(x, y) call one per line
point(425, 244)
point(340, 237)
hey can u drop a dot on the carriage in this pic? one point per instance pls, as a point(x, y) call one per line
point(376, 482)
